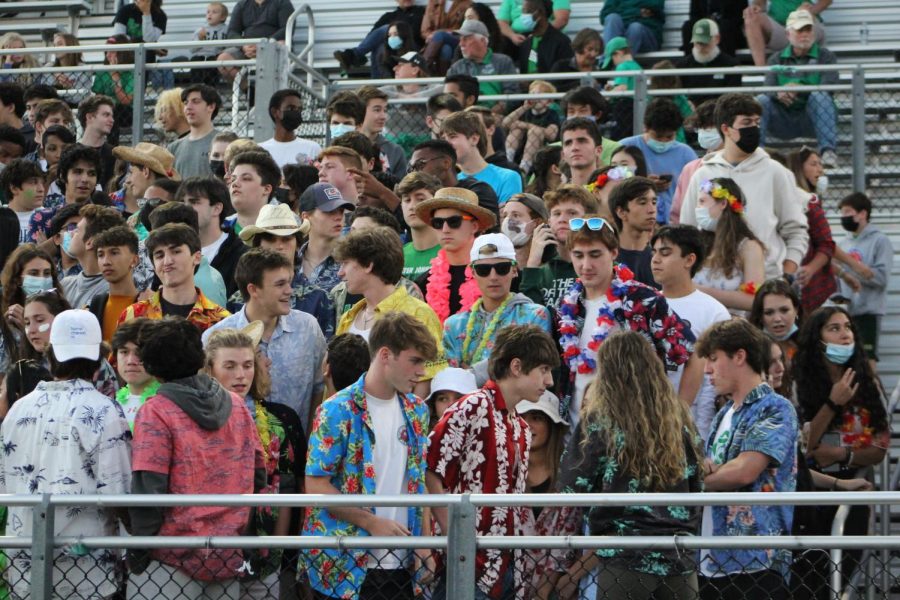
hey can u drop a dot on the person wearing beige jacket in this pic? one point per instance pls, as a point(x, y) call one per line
point(438, 26)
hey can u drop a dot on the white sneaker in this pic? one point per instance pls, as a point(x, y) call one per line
point(829, 159)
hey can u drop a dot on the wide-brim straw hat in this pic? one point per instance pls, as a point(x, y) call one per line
point(157, 159)
point(274, 219)
point(462, 200)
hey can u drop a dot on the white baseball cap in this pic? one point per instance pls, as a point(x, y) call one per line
point(548, 404)
point(452, 379)
point(492, 245)
point(75, 334)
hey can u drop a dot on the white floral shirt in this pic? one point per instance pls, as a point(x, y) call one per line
point(65, 437)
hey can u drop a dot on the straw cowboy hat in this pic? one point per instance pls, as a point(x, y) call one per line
point(275, 219)
point(462, 200)
point(157, 159)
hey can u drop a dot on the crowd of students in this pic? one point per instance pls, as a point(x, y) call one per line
point(407, 316)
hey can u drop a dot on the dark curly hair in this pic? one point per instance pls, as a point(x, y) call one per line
point(171, 349)
point(811, 372)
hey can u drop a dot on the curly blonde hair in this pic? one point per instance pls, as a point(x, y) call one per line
point(632, 399)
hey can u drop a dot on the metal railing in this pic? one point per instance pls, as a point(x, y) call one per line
point(462, 541)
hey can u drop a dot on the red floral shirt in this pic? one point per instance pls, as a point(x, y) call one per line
point(480, 447)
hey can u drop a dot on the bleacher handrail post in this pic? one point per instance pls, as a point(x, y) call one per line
point(271, 76)
point(42, 531)
point(461, 548)
point(137, 103)
point(858, 125)
point(640, 102)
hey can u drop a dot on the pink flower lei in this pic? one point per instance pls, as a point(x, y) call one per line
point(437, 292)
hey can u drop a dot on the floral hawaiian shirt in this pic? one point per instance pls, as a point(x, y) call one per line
point(66, 438)
point(342, 447)
point(324, 276)
point(642, 309)
point(480, 447)
point(587, 468)
point(520, 311)
point(767, 423)
point(204, 315)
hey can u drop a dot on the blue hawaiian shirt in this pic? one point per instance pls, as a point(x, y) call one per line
point(766, 423)
point(296, 349)
point(324, 276)
point(342, 447)
point(520, 311)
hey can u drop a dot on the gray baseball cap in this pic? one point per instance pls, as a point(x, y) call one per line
point(325, 197)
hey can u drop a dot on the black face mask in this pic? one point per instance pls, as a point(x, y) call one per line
point(749, 140)
point(282, 195)
point(218, 168)
point(291, 119)
point(849, 224)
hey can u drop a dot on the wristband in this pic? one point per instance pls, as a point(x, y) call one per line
point(830, 404)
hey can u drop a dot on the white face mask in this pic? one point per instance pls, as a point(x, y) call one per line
point(822, 184)
point(709, 138)
point(516, 231)
point(704, 220)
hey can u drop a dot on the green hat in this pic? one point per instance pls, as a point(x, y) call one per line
point(704, 31)
point(614, 45)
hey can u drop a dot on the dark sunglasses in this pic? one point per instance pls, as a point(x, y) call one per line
point(455, 222)
point(483, 270)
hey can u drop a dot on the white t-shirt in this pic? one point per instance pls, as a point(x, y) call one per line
point(131, 407)
point(24, 218)
point(210, 252)
point(363, 333)
point(700, 311)
point(299, 151)
point(717, 455)
point(390, 470)
point(591, 308)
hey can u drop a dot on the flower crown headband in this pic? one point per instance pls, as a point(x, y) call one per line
point(720, 193)
point(615, 174)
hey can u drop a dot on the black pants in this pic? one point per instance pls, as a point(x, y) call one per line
point(762, 585)
point(382, 584)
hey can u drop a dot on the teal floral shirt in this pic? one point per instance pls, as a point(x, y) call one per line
point(766, 423)
point(342, 447)
point(587, 467)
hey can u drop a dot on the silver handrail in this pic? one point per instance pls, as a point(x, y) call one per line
point(306, 55)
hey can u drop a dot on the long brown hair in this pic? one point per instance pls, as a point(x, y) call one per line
point(11, 276)
point(634, 401)
point(68, 59)
point(795, 162)
point(732, 229)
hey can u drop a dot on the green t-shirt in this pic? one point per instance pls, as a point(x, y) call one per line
point(417, 262)
point(511, 12)
point(104, 84)
point(628, 65)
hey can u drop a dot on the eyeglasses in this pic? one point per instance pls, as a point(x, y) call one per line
point(593, 223)
point(151, 203)
point(454, 222)
point(420, 164)
point(483, 270)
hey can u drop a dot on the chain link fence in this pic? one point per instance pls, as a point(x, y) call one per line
point(554, 565)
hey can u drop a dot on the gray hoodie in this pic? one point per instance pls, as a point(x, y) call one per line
point(873, 249)
point(210, 406)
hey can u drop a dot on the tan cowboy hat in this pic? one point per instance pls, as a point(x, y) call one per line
point(157, 159)
point(275, 219)
point(462, 200)
point(254, 330)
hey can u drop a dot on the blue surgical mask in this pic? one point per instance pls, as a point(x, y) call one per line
point(708, 138)
point(395, 42)
point(67, 243)
point(786, 336)
point(340, 129)
point(704, 220)
point(839, 354)
point(32, 284)
point(526, 22)
point(659, 147)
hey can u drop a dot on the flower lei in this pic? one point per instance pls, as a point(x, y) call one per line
point(437, 292)
point(720, 193)
point(262, 427)
point(748, 287)
point(616, 173)
point(488, 333)
point(583, 361)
